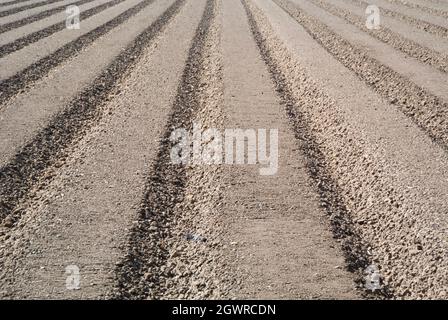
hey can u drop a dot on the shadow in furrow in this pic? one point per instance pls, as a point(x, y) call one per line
point(30, 6)
point(27, 169)
point(39, 16)
point(17, 83)
point(147, 248)
point(46, 32)
point(426, 110)
point(331, 200)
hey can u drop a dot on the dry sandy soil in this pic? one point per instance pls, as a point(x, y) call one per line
point(357, 209)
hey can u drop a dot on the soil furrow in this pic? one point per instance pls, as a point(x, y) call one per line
point(34, 108)
point(161, 261)
point(11, 2)
point(427, 110)
point(418, 23)
point(101, 184)
point(15, 4)
point(423, 76)
point(342, 225)
point(33, 18)
point(23, 79)
point(36, 36)
point(224, 149)
point(409, 47)
point(434, 11)
point(414, 12)
point(20, 60)
point(387, 174)
point(400, 27)
point(29, 165)
point(281, 244)
point(24, 31)
point(27, 7)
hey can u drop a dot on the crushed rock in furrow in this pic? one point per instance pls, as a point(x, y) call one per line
point(43, 33)
point(17, 21)
point(279, 238)
point(291, 85)
point(173, 250)
point(16, 4)
point(84, 215)
point(22, 117)
point(31, 12)
point(412, 12)
point(384, 34)
point(11, 2)
point(434, 11)
point(413, 71)
point(380, 217)
point(419, 23)
point(30, 166)
point(415, 34)
point(23, 31)
point(20, 77)
point(26, 7)
point(427, 110)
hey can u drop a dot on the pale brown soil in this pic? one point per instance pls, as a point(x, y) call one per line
point(86, 177)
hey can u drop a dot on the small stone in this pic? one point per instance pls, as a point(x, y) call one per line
point(8, 222)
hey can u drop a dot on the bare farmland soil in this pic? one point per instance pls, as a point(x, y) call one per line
point(87, 177)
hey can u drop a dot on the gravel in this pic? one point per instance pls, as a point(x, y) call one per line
point(363, 153)
point(434, 11)
point(38, 35)
point(15, 84)
point(41, 15)
point(409, 47)
point(11, 2)
point(161, 262)
point(47, 148)
point(27, 7)
point(379, 220)
point(421, 24)
point(427, 110)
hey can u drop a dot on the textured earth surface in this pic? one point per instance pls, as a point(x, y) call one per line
point(92, 205)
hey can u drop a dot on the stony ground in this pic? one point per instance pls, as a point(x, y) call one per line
point(357, 208)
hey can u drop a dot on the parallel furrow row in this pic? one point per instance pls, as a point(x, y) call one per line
point(15, 84)
point(23, 8)
point(342, 225)
point(427, 110)
point(3, 4)
point(420, 24)
point(409, 47)
point(147, 270)
point(437, 12)
point(364, 181)
point(38, 35)
point(36, 17)
point(27, 167)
